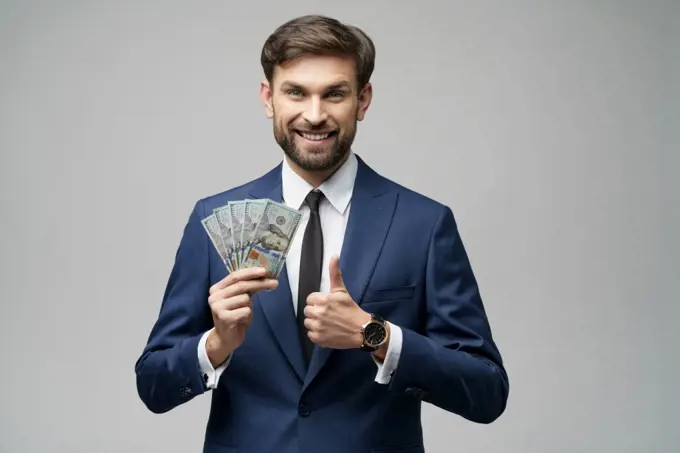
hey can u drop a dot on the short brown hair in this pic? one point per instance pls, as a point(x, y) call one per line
point(319, 35)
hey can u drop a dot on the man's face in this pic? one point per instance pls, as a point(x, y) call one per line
point(315, 105)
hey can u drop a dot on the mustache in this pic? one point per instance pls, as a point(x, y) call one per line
point(315, 130)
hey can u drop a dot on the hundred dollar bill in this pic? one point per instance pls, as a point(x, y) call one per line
point(212, 228)
point(252, 215)
point(276, 228)
point(223, 216)
point(237, 212)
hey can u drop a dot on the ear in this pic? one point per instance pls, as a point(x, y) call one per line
point(365, 98)
point(266, 98)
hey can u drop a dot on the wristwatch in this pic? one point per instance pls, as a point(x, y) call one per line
point(374, 333)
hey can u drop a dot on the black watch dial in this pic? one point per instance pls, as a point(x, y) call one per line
point(374, 333)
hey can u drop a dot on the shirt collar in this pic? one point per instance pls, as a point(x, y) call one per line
point(337, 189)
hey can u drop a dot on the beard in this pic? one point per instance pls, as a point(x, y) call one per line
point(312, 158)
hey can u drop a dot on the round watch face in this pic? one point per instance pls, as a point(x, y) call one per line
point(374, 333)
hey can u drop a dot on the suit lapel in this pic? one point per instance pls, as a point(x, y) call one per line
point(371, 210)
point(277, 305)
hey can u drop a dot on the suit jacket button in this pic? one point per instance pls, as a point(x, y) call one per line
point(415, 391)
point(304, 410)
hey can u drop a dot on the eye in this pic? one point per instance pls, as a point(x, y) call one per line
point(293, 92)
point(336, 94)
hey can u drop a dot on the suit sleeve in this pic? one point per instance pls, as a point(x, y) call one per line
point(168, 370)
point(455, 365)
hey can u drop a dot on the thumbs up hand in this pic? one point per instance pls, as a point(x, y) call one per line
point(337, 284)
point(333, 319)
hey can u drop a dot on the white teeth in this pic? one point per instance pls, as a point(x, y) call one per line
point(314, 137)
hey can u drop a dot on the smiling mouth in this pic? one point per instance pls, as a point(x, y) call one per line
point(315, 137)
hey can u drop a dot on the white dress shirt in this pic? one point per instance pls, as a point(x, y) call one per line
point(333, 212)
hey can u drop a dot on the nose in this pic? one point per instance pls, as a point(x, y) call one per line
point(314, 112)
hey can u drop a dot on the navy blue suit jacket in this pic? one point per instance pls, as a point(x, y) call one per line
point(402, 258)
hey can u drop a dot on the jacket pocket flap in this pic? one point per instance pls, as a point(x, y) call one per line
point(387, 294)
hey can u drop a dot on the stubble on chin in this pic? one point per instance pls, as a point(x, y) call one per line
point(313, 159)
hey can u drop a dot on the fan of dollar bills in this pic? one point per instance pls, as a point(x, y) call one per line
point(253, 233)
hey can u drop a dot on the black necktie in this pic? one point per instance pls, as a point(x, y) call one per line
point(310, 267)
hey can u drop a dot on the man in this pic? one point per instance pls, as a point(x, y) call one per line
point(376, 309)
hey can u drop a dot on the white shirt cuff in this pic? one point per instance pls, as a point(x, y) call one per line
point(211, 376)
point(387, 368)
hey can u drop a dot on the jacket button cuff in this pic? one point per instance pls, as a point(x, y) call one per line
point(304, 410)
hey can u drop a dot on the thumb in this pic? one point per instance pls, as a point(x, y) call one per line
point(335, 275)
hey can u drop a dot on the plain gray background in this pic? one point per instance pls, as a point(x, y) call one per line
point(550, 128)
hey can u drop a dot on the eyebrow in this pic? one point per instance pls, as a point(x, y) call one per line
point(335, 86)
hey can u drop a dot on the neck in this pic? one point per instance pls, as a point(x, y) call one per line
point(315, 178)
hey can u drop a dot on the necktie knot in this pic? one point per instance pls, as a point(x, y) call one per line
point(313, 198)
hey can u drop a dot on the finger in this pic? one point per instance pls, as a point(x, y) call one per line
point(315, 298)
point(244, 287)
point(242, 315)
point(233, 303)
point(310, 312)
point(239, 275)
point(312, 325)
point(250, 286)
point(231, 316)
point(248, 319)
point(335, 275)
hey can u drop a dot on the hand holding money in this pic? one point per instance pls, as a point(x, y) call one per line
point(231, 307)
